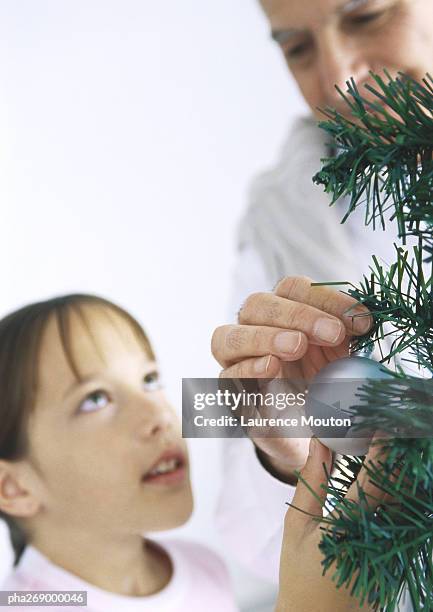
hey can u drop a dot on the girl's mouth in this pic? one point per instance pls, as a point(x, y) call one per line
point(170, 469)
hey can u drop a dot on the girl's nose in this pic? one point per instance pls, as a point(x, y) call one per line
point(156, 417)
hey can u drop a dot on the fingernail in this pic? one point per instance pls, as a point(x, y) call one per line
point(261, 365)
point(360, 319)
point(287, 342)
point(327, 330)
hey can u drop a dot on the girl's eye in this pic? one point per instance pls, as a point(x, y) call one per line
point(95, 401)
point(151, 381)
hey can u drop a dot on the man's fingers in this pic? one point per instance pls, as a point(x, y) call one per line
point(298, 289)
point(337, 352)
point(257, 367)
point(233, 343)
point(267, 309)
point(310, 496)
point(284, 323)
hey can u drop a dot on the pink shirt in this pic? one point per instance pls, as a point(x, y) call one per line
point(200, 582)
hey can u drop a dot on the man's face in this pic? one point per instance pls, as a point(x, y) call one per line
point(327, 42)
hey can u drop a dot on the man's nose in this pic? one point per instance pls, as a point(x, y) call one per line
point(339, 60)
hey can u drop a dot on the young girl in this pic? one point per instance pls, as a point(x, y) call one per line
point(91, 460)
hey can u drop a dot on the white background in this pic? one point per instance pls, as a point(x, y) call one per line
point(129, 131)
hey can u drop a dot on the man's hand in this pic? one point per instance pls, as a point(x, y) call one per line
point(290, 333)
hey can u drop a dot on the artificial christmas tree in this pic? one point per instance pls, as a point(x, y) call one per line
point(384, 162)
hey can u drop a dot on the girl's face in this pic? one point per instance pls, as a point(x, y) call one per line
point(106, 454)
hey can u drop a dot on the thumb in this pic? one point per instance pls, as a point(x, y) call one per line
point(310, 492)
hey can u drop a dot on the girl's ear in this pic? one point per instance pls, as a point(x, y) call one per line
point(15, 498)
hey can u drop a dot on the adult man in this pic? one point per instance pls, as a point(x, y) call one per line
point(289, 229)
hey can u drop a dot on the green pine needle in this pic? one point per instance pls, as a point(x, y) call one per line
point(384, 162)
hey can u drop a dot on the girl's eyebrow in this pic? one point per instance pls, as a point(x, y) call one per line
point(78, 383)
point(149, 366)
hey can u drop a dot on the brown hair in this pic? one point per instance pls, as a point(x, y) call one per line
point(20, 340)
